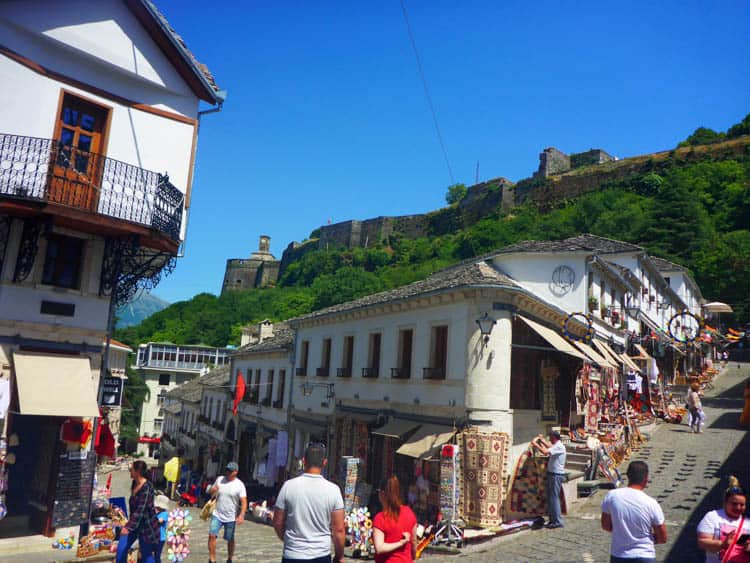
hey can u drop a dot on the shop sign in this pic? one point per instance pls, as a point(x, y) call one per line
point(111, 392)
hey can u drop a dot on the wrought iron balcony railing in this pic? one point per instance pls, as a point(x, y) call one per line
point(433, 373)
point(46, 170)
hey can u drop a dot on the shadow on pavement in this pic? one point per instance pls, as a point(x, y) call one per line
point(685, 548)
point(727, 421)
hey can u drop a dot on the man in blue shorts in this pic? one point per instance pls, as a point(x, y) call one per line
point(231, 505)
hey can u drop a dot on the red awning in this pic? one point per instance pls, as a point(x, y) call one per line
point(147, 440)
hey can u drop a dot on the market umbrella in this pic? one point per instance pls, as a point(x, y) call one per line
point(718, 307)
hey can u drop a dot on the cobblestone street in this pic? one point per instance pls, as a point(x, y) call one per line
point(687, 472)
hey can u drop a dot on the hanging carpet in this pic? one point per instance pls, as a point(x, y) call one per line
point(484, 459)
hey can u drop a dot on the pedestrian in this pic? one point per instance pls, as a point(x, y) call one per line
point(309, 511)
point(555, 449)
point(231, 505)
point(695, 408)
point(142, 524)
point(394, 530)
point(724, 359)
point(634, 518)
point(726, 528)
point(161, 506)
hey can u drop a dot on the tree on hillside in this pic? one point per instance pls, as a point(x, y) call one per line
point(455, 193)
point(703, 136)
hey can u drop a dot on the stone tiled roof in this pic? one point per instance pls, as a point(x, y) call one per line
point(198, 67)
point(473, 273)
point(189, 391)
point(665, 265)
point(216, 377)
point(585, 242)
point(173, 408)
point(282, 339)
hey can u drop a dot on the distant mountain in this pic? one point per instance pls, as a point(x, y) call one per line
point(141, 307)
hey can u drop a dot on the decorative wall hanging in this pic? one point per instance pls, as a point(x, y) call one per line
point(581, 317)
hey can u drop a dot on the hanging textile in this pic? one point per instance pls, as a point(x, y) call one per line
point(484, 456)
point(450, 485)
point(106, 444)
point(527, 494)
point(282, 447)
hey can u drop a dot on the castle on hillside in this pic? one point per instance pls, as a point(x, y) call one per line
point(263, 270)
point(260, 270)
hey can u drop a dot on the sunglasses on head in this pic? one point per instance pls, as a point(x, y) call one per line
point(316, 445)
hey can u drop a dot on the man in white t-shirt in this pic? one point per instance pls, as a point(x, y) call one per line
point(309, 513)
point(557, 453)
point(635, 519)
point(231, 505)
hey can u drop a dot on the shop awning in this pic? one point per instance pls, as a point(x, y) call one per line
point(427, 441)
point(554, 339)
point(630, 363)
point(607, 352)
point(55, 385)
point(396, 428)
point(149, 440)
point(595, 356)
point(651, 324)
point(642, 354)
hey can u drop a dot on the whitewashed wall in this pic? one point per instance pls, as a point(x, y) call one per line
point(265, 362)
point(151, 409)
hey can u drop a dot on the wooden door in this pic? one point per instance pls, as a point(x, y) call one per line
point(78, 162)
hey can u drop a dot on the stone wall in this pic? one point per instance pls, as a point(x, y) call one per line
point(590, 157)
point(551, 162)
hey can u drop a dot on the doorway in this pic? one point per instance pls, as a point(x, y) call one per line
point(77, 161)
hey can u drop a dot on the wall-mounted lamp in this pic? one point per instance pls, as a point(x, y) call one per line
point(486, 324)
point(308, 387)
point(663, 305)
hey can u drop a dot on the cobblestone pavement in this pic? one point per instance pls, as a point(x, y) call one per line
point(687, 472)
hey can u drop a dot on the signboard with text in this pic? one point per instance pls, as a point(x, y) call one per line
point(111, 392)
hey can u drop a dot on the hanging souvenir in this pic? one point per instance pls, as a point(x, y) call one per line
point(178, 535)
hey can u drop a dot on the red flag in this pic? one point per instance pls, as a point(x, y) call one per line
point(239, 391)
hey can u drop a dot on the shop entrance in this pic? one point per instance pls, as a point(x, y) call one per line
point(31, 479)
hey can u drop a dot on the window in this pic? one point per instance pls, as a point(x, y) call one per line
point(280, 393)
point(438, 353)
point(256, 385)
point(373, 356)
point(304, 355)
point(348, 359)
point(325, 359)
point(163, 379)
point(248, 375)
point(161, 397)
point(269, 388)
point(157, 425)
point(62, 264)
point(405, 346)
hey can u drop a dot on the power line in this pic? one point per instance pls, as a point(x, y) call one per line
point(427, 91)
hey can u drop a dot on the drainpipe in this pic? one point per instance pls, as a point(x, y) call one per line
point(216, 109)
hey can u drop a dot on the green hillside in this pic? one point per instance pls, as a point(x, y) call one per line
point(695, 212)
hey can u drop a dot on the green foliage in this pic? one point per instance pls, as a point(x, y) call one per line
point(135, 393)
point(694, 213)
point(703, 136)
point(455, 193)
point(741, 128)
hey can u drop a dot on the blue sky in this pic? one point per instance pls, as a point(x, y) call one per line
point(326, 118)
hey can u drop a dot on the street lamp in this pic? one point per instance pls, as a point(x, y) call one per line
point(486, 324)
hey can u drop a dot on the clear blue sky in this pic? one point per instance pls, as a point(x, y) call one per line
point(326, 117)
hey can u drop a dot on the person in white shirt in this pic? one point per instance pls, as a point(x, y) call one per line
point(231, 505)
point(635, 519)
point(557, 453)
point(719, 528)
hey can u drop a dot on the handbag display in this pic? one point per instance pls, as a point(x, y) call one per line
point(208, 509)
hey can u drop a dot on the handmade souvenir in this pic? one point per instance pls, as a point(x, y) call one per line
point(178, 535)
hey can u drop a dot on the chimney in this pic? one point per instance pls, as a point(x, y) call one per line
point(265, 330)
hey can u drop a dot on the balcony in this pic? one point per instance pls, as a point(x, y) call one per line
point(400, 373)
point(371, 372)
point(322, 371)
point(279, 403)
point(45, 171)
point(300, 372)
point(266, 402)
point(343, 372)
point(433, 373)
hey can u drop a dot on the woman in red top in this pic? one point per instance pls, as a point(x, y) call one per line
point(394, 530)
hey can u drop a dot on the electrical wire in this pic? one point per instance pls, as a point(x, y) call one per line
point(427, 91)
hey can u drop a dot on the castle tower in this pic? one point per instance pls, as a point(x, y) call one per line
point(260, 270)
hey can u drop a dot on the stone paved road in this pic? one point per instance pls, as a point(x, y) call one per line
point(686, 479)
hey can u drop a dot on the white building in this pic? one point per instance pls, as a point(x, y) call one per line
point(100, 102)
point(163, 367)
point(478, 344)
point(262, 421)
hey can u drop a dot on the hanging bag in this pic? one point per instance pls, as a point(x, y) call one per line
point(736, 553)
point(208, 509)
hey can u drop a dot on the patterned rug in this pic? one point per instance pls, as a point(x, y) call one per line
point(484, 458)
point(527, 488)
